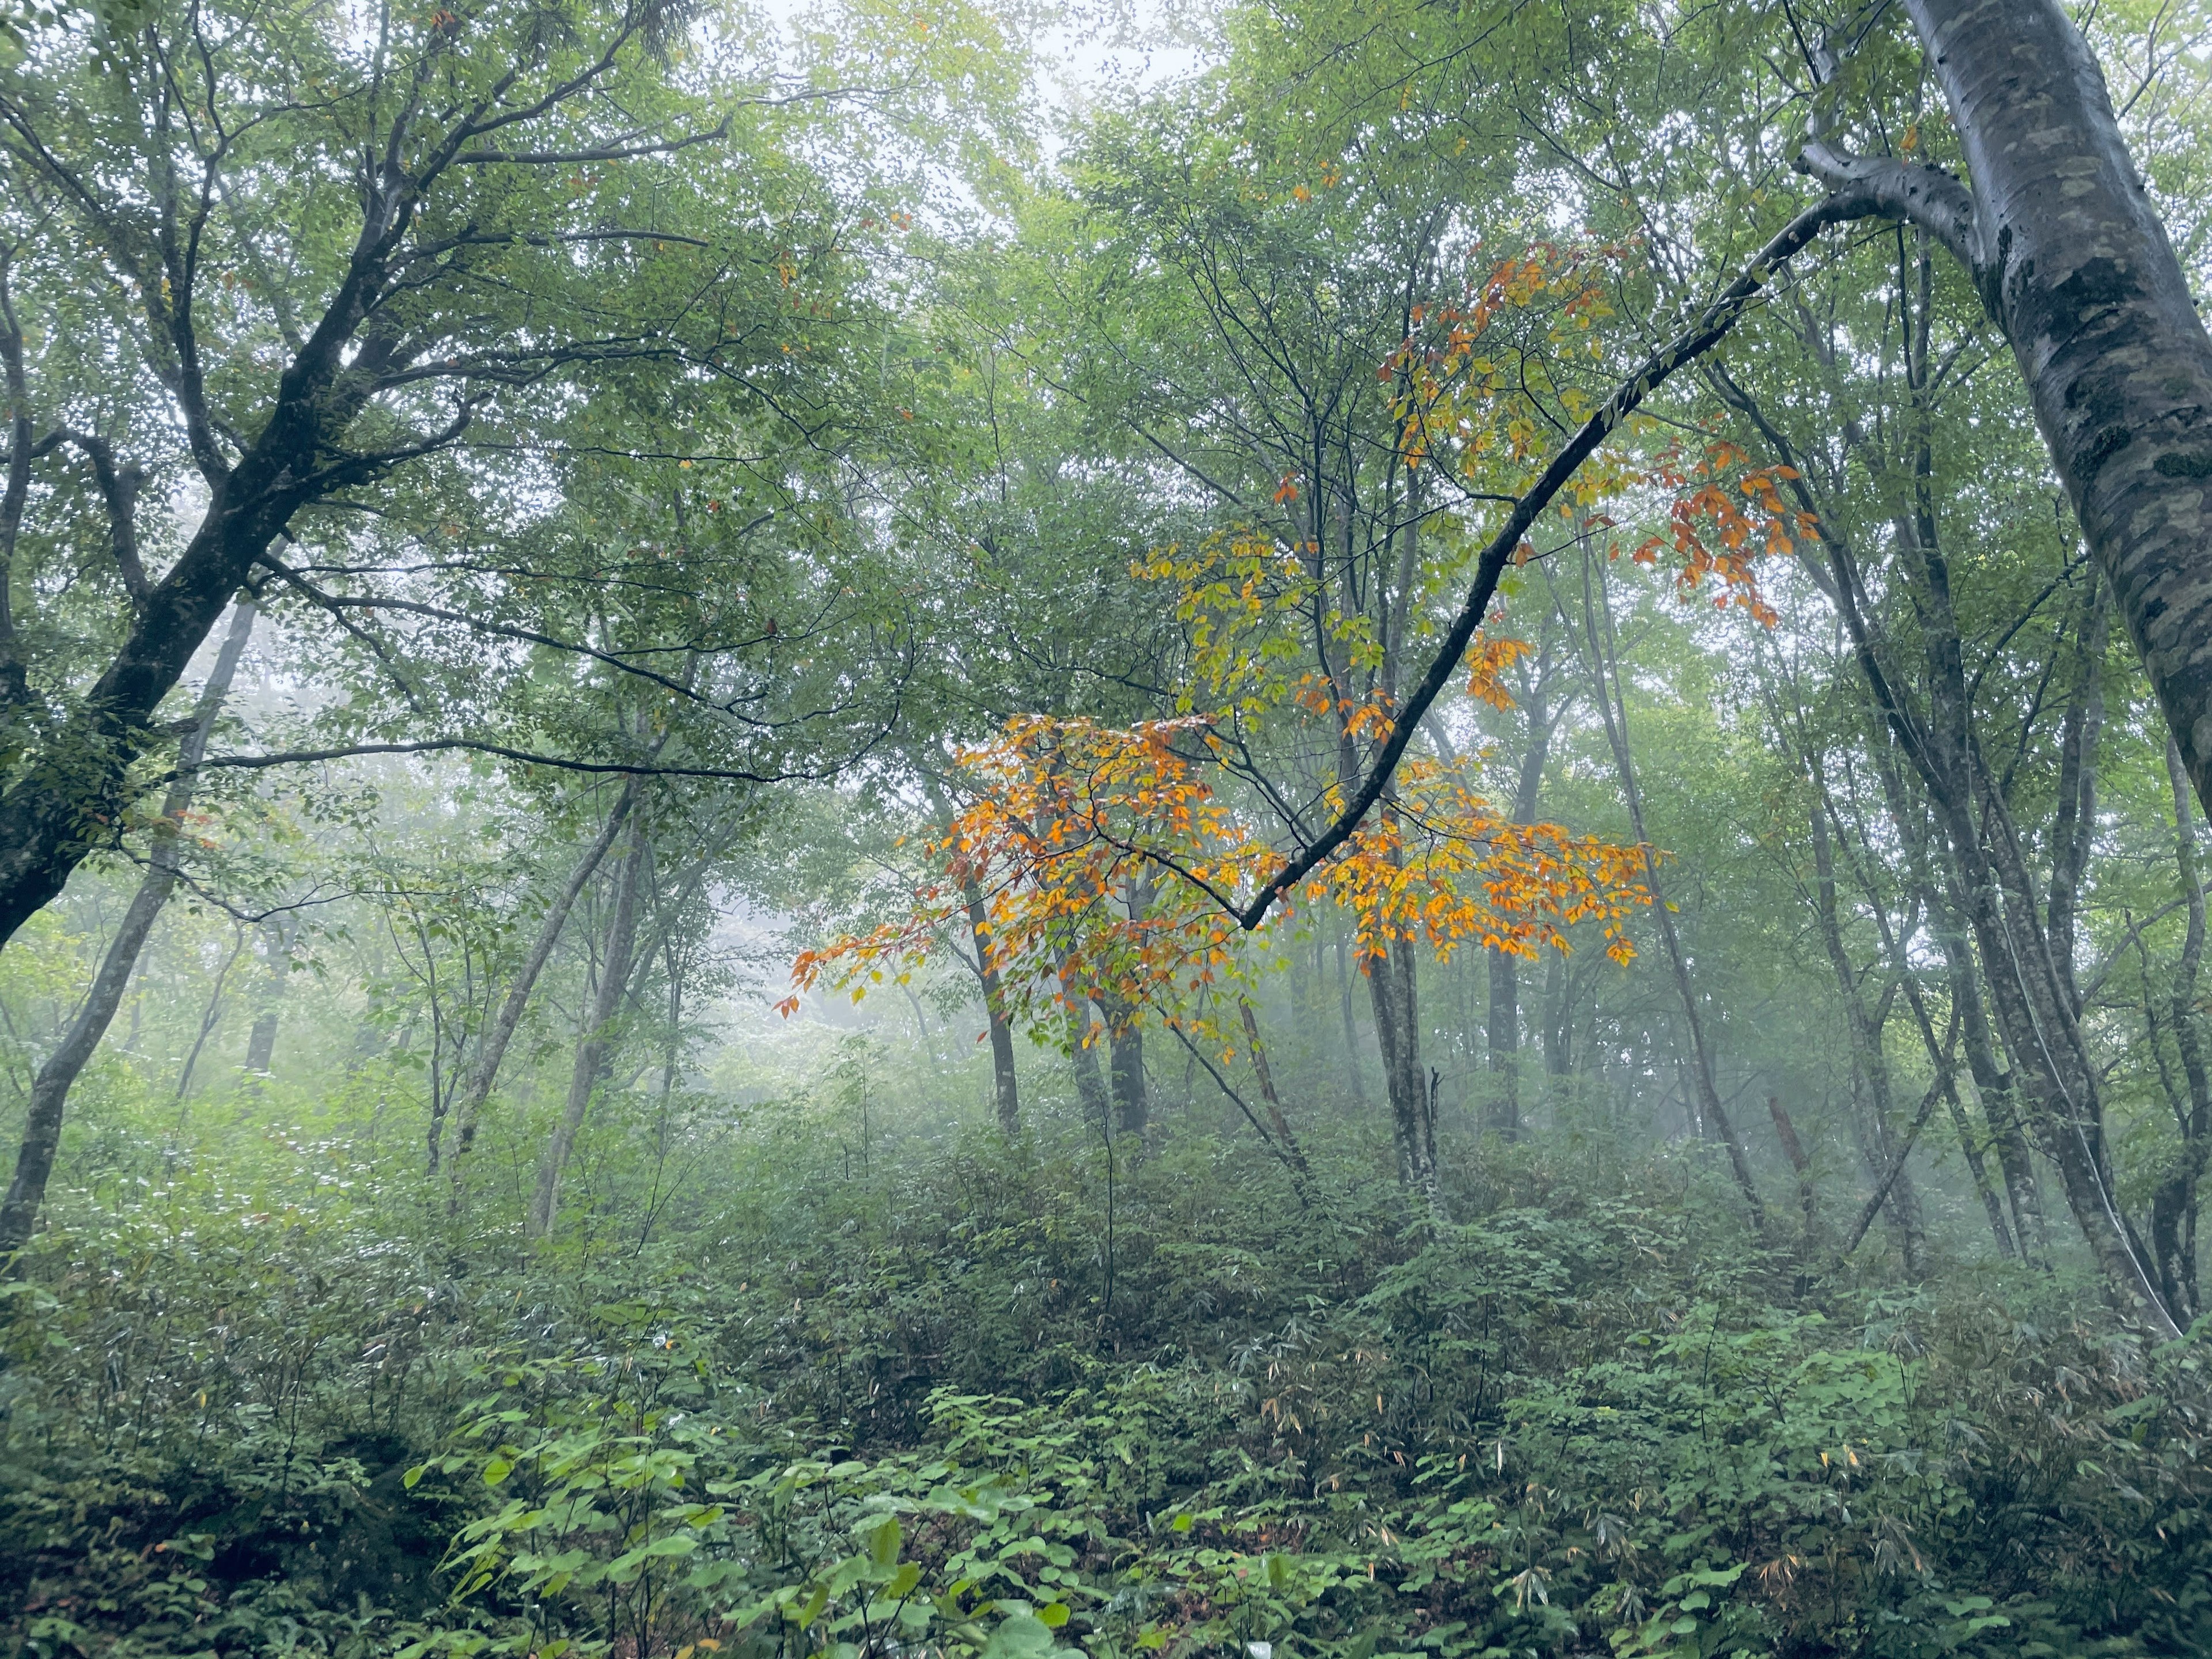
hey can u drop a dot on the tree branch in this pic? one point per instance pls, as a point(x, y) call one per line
point(120, 486)
point(1712, 327)
point(607, 153)
point(1917, 192)
point(436, 745)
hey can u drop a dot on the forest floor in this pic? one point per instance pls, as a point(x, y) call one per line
point(976, 1397)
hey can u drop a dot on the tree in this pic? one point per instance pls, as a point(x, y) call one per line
point(1111, 866)
point(2058, 236)
point(525, 213)
point(50, 1090)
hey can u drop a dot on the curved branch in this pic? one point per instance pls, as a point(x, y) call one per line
point(1917, 192)
point(435, 745)
point(1712, 327)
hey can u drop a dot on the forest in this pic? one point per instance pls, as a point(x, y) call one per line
point(999, 829)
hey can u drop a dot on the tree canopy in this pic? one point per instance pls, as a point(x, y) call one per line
point(1310, 830)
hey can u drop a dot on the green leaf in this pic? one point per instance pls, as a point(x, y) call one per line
point(884, 1539)
point(1019, 1636)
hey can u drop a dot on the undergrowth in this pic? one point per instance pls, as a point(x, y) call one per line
point(954, 1403)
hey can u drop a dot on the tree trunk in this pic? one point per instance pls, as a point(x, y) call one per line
point(1351, 1069)
point(592, 1048)
point(1871, 1081)
point(1125, 1046)
point(1392, 994)
point(1083, 1037)
point(1504, 1044)
point(1504, 1032)
point(1291, 1153)
point(276, 940)
point(1558, 1016)
point(1005, 1087)
point(492, 1048)
point(1612, 708)
point(1785, 1130)
point(2174, 1202)
point(1090, 1084)
point(42, 1129)
point(2071, 260)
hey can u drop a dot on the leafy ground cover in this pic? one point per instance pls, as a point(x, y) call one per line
point(928, 1409)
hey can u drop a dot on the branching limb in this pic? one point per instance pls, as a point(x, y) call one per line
point(119, 486)
point(1712, 327)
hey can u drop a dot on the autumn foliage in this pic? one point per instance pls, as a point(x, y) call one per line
point(1112, 867)
point(1113, 863)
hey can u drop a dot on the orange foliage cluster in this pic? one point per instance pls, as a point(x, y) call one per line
point(1458, 394)
point(1111, 867)
point(1704, 511)
point(1458, 397)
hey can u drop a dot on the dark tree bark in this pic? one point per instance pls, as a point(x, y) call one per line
point(1392, 994)
point(1083, 1037)
point(1559, 1017)
point(1125, 1049)
point(276, 940)
point(1540, 717)
point(27, 1191)
point(1005, 1087)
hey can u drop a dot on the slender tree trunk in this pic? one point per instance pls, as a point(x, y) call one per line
point(276, 940)
point(50, 1090)
point(1941, 1052)
point(1993, 1084)
point(2174, 1203)
point(1291, 1153)
point(1082, 1057)
point(491, 1050)
point(1871, 1082)
point(1005, 1087)
point(1612, 708)
point(1504, 1032)
point(1125, 1046)
point(592, 1049)
point(1785, 1130)
point(15, 687)
point(1392, 993)
point(1083, 1037)
point(1352, 1068)
point(1559, 1017)
point(1504, 1044)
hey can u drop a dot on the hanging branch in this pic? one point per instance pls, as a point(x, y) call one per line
point(1712, 326)
point(1292, 1162)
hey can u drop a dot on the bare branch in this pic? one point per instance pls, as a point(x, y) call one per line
point(607, 153)
point(1712, 327)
